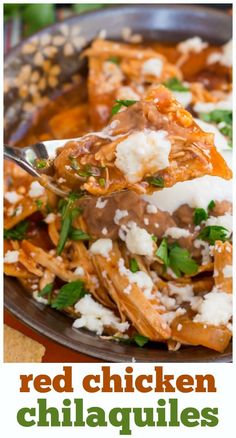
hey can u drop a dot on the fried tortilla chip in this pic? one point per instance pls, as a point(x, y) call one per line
point(122, 71)
point(223, 270)
point(21, 348)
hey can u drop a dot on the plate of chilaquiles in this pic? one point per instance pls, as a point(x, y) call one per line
point(135, 262)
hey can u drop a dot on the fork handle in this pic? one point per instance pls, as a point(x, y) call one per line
point(14, 154)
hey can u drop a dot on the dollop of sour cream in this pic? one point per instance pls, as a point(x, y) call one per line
point(197, 193)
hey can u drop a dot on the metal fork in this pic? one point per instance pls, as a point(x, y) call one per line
point(27, 158)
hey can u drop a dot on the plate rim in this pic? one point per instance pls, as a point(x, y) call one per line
point(132, 7)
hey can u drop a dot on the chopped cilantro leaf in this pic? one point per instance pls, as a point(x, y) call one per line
point(133, 265)
point(211, 205)
point(178, 259)
point(77, 234)
point(40, 164)
point(46, 290)
point(68, 212)
point(162, 252)
point(181, 262)
point(114, 59)
point(140, 340)
point(39, 203)
point(69, 294)
point(18, 232)
point(223, 119)
point(175, 84)
point(102, 182)
point(212, 233)
point(119, 103)
point(156, 181)
point(199, 215)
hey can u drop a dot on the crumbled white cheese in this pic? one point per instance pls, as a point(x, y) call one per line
point(139, 241)
point(11, 257)
point(224, 57)
point(220, 140)
point(50, 218)
point(40, 300)
point(10, 211)
point(182, 293)
point(104, 231)
point(207, 107)
point(142, 279)
point(12, 197)
point(130, 37)
point(95, 281)
point(146, 221)
point(101, 247)
point(127, 289)
point(101, 203)
point(168, 317)
point(195, 302)
point(120, 214)
point(223, 221)
point(215, 309)
point(183, 97)
point(195, 44)
point(36, 190)
point(95, 317)
point(79, 271)
point(168, 302)
point(151, 209)
point(113, 77)
point(228, 271)
point(126, 92)
point(143, 153)
point(154, 276)
point(18, 210)
point(205, 253)
point(61, 180)
point(153, 66)
point(179, 327)
point(177, 232)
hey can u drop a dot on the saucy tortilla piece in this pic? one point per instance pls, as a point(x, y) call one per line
point(118, 69)
point(186, 331)
point(223, 270)
point(151, 144)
